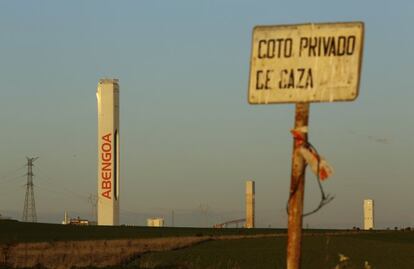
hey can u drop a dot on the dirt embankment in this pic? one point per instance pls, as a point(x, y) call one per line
point(99, 253)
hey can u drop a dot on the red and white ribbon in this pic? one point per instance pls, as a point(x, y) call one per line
point(314, 160)
point(317, 163)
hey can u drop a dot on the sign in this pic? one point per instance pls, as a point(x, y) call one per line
point(305, 63)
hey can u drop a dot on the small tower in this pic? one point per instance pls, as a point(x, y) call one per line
point(368, 214)
point(66, 218)
point(250, 204)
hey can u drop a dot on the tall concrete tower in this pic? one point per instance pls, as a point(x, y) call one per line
point(368, 214)
point(250, 204)
point(108, 152)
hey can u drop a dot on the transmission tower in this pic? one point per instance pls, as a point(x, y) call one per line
point(29, 210)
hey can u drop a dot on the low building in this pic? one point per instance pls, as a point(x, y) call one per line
point(155, 222)
point(79, 221)
point(76, 221)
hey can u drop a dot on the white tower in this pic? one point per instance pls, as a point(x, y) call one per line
point(368, 214)
point(108, 152)
point(250, 204)
point(66, 218)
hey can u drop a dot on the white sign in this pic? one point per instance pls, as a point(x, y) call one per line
point(305, 63)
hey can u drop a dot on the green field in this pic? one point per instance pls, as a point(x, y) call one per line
point(393, 250)
point(14, 232)
point(321, 249)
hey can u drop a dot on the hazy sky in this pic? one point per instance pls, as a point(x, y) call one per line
point(189, 139)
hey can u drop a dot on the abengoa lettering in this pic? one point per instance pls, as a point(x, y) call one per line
point(306, 57)
point(106, 165)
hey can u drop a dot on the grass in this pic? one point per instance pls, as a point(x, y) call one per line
point(242, 253)
point(15, 232)
point(81, 254)
point(321, 248)
point(378, 250)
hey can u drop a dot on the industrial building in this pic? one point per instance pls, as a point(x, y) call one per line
point(368, 214)
point(155, 222)
point(107, 95)
point(76, 221)
point(250, 214)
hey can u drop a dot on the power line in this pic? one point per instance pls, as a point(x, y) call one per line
point(10, 179)
point(9, 174)
point(62, 189)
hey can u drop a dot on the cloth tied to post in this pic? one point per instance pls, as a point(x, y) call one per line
point(319, 166)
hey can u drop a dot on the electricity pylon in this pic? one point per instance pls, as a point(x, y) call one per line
point(29, 210)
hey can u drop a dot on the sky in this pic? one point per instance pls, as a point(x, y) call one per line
point(189, 138)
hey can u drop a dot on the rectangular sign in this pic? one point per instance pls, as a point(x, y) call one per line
point(305, 63)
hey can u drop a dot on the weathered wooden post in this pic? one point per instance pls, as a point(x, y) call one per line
point(297, 191)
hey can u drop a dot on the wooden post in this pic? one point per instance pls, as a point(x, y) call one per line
point(296, 195)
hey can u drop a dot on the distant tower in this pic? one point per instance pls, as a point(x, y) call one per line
point(29, 210)
point(93, 200)
point(250, 204)
point(107, 95)
point(368, 214)
point(66, 218)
